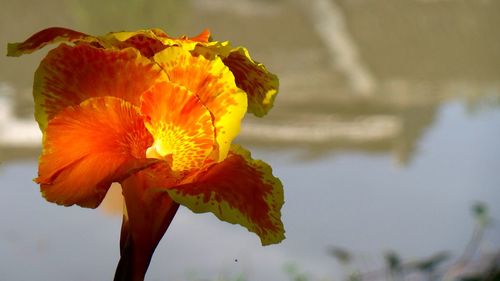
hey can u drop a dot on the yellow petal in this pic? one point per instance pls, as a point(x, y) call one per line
point(260, 85)
point(213, 83)
point(180, 124)
point(252, 77)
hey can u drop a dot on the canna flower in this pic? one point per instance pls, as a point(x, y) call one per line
point(158, 115)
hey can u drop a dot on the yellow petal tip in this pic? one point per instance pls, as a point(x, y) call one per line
point(13, 50)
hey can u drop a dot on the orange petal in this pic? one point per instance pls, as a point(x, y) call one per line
point(45, 37)
point(214, 85)
point(180, 124)
point(238, 190)
point(70, 75)
point(87, 147)
point(252, 77)
point(203, 37)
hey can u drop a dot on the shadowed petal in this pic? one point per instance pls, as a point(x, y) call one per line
point(238, 190)
point(185, 42)
point(147, 42)
point(214, 85)
point(87, 147)
point(70, 75)
point(252, 77)
point(151, 41)
point(45, 37)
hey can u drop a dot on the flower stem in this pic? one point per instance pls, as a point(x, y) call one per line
point(134, 261)
point(147, 216)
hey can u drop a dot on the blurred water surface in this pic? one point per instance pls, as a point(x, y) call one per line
point(385, 132)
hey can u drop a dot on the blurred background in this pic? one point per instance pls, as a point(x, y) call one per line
point(385, 134)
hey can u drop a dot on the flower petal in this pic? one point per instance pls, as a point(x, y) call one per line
point(88, 146)
point(45, 37)
point(151, 41)
point(147, 42)
point(238, 190)
point(70, 75)
point(252, 77)
point(203, 37)
point(180, 124)
point(213, 49)
point(214, 85)
point(185, 42)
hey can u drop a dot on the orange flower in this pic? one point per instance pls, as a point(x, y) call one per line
point(158, 115)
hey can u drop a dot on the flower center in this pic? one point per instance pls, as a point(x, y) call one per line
point(183, 150)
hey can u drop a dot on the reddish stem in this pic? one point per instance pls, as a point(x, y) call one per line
point(146, 218)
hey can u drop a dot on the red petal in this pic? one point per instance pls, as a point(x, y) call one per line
point(47, 36)
point(238, 190)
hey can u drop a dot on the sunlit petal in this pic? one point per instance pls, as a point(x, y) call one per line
point(88, 146)
point(239, 190)
point(69, 75)
point(180, 124)
point(203, 37)
point(260, 85)
point(214, 85)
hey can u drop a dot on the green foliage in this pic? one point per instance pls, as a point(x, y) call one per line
point(342, 255)
point(294, 272)
point(396, 268)
point(480, 212)
point(393, 261)
point(430, 264)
